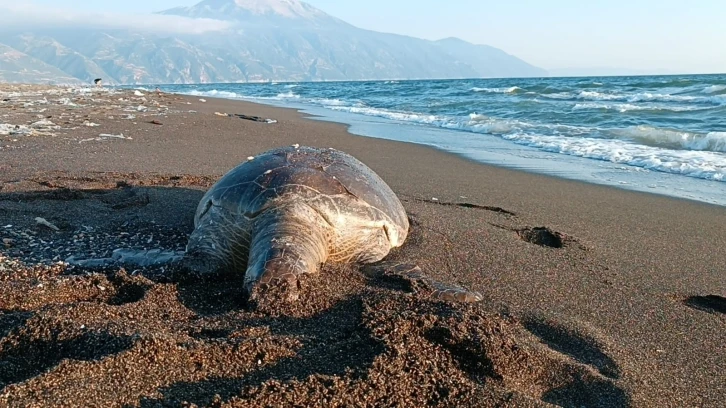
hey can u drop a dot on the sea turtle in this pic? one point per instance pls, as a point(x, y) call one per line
point(285, 212)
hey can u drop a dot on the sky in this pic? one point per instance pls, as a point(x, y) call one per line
point(652, 36)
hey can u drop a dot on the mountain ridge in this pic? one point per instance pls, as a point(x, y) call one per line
point(261, 40)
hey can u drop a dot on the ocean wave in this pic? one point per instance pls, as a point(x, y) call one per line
point(672, 139)
point(479, 123)
point(510, 90)
point(476, 123)
point(329, 102)
point(392, 115)
point(637, 97)
point(626, 107)
point(214, 93)
point(666, 83)
point(288, 95)
point(700, 164)
point(715, 89)
point(592, 134)
point(217, 94)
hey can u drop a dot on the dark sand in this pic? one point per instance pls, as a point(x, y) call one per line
point(619, 303)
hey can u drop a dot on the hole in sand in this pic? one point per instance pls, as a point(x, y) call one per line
point(128, 289)
point(210, 334)
point(708, 303)
point(541, 236)
point(128, 293)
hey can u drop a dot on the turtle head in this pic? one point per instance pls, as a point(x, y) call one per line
point(219, 243)
point(200, 262)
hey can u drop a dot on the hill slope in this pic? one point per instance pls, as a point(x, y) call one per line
point(262, 40)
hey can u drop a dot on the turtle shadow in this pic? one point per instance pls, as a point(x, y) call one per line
point(581, 348)
point(334, 343)
point(9, 320)
point(484, 358)
point(588, 393)
point(27, 358)
point(211, 295)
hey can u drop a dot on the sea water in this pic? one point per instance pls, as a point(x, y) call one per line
point(662, 134)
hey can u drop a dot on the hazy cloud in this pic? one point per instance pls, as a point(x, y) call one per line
point(23, 14)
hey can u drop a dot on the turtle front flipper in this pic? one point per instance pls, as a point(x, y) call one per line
point(287, 242)
point(418, 282)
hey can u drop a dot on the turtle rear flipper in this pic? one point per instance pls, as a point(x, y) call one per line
point(416, 281)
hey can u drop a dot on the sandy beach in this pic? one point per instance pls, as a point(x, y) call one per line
point(594, 296)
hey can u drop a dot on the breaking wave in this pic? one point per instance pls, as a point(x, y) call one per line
point(637, 97)
point(674, 125)
point(510, 90)
point(700, 164)
point(673, 139)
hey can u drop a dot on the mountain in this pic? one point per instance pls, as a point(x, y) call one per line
point(242, 41)
point(16, 66)
point(257, 11)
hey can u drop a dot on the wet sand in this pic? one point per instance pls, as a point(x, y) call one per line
point(594, 296)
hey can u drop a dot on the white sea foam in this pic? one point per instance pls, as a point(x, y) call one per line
point(715, 89)
point(636, 97)
point(214, 93)
point(288, 95)
point(673, 139)
point(217, 94)
point(625, 107)
point(387, 114)
point(620, 107)
point(651, 97)
point(707, 165)
point(512, 89)
point(329, 102)
point(559, 95)
point(597, 96)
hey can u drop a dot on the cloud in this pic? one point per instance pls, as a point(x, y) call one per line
point(23, 15)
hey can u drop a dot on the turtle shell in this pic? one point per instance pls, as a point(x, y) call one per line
point(302, 172)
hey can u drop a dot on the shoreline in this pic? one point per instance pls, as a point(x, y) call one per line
point(617, 315)
point(314, 113)
point(507, 154)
